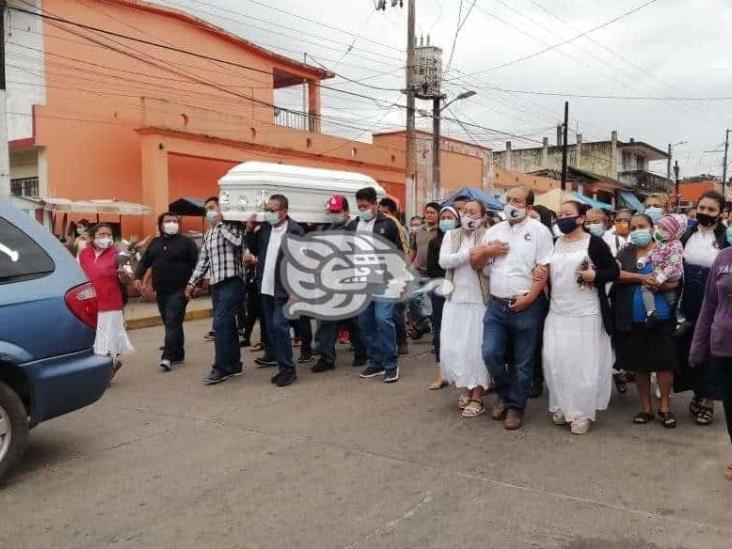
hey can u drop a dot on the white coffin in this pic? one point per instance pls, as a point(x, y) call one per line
point(245, 189)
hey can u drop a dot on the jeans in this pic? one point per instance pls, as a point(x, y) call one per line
point(266, 303)
point(438, 303)
point(378, 334)
point(304, 330)
point(400, 321)
point(278, 327)
point(504, 330)
point(253, 311)
point(227, 297)
point(172, 309)
point(326, 336)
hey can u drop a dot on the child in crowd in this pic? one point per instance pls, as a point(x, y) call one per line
point(667, 259)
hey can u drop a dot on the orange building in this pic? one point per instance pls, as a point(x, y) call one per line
point(692, 189)
point(95, 114)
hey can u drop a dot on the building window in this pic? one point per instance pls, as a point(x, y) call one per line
point(24, 186)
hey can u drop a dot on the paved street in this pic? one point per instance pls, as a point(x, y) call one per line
point(336, 461)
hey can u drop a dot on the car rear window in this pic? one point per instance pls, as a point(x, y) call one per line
point(21, 258)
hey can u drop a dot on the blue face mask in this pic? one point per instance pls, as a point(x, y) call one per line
point(567, 224)
point(691, 223)
point(596, 229)
point(366, 215)
point(271, 217)
point(729, 235)
point(641, 237)
point(336, 218)
point(654, 213)
point(447, 225)
point(211, 215)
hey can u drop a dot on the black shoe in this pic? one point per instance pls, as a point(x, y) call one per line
point(359, 361)
point(209, 336)
point(305, 357)
point(372, 371)
point(391, 376)
point(245, 343)
point(265, 362)
point(215, 377)
point(239, 372)
point(286, 378)
point(403, 348)
point(420, 331)
point(275, 377)
point(322, 366)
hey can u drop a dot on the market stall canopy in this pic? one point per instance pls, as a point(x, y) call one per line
point(592, 203)
point(632, 201)
point(113, 207)
point(491, 202)
point(187, 206)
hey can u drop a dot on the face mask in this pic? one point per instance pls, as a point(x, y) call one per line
point(81, 230)
point(641, 237)
point(654, 213)
point(621, 228)
point(211, 216)
point(471, 224)
point(706, 220)
point(170, 228)
point(366, 215)
point(335, 218)
point(597, 229)
point(691, 223)
point(447, 225)
point(729, 236)
point(272, 218)
point(513, 213)
point(567, 224)
point(103, 243)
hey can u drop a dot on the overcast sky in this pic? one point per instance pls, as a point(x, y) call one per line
point(669, 48)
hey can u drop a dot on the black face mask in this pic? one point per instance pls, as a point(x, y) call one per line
point(706, 220)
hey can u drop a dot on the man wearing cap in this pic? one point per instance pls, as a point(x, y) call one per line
point(325, 338)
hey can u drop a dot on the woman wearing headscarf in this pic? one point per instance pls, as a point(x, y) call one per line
point(577, 353)
point(461, 358)
point(702, 243)
point(642, 348)
point(99, 262)
point(449, 219)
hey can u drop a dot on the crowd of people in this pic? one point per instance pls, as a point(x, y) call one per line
point(574, 300)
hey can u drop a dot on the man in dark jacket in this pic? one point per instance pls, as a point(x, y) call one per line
point(266, 246)
point(172, 258)
point(377, 321)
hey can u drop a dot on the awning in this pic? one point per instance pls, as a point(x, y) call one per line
point(187, 206)
point(491, 202)
point(631, 201)
point(593, 203)
point(115, 207)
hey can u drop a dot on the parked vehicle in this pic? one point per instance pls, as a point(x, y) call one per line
point(244, 190)
point(48, 314)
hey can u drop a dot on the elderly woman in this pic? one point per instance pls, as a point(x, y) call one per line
point(99, 262)
point(641, 348)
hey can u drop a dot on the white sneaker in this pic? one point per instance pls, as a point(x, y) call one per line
point(580, 426)
point(558, 418)
point(165, 364)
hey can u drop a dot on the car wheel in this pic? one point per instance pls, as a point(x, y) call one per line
point(13, 429)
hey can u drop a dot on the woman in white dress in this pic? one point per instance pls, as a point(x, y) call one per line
point(461, 335)
point(577, 354)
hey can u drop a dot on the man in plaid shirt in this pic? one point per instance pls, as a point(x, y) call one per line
point(222, 257)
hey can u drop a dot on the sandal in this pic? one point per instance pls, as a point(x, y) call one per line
point(463, 401)
point(473, 411)
point(437, 385)
point(620, 384)
point(642, 418)
point(695, 406)
point(705, 416)
point(668, 419)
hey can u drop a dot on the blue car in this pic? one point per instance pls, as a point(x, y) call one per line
point(48, 315)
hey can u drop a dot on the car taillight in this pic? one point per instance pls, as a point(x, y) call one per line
point(82, 302)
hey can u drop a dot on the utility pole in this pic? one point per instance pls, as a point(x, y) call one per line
point(436, 167)
point(724, 166)
point(678, 196)
point(565, 146)
point(668, 169)
point(411, 145)
point(4, 152)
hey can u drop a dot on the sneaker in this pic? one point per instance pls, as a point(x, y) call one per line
point(580, 426)
point(286, 378)
point(372, 371)
point(214, 377)
point(305, 358)
point(275, 377)
point(322, 365)
point(209, 336)
point(359, 361)
point(558, 418)
point(391, 376)
point(403, 348)
point(165, 364)
point(265, 362)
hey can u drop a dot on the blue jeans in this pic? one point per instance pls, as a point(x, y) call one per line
point(378, 334)
point(227, 297)
point(172, 309)
point(438, 303)
point(400, 321)
point(278, 327)
point(504, 330)
point(327, 333)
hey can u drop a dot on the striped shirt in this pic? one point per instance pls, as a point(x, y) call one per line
point(221, 254)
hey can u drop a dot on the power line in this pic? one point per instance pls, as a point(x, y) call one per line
point(460, 25)
point(615, 97)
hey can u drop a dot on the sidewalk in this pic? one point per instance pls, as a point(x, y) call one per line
point(145, 314)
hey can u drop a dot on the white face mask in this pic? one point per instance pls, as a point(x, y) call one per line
point(170, 228)
point(103, 243)
point(471, 224)
point(513, 213)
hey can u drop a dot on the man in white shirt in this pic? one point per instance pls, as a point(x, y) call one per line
point(515, 254)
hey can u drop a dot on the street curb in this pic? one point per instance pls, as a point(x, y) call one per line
point(150, 321)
